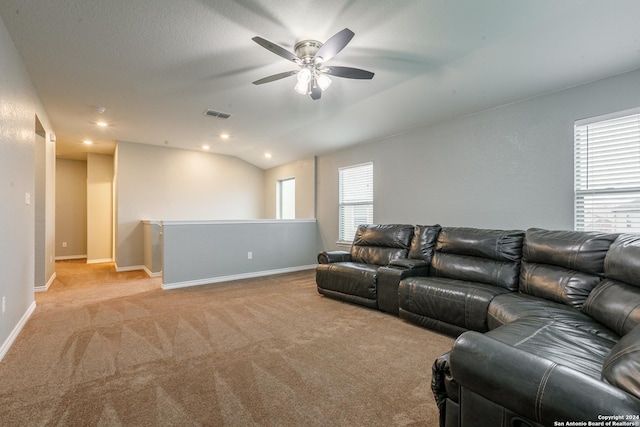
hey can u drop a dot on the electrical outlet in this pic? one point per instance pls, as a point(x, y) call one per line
point(27, 198)
point(64, 244)
point(249, 255)
point(4, 304)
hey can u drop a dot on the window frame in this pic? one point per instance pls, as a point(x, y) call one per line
point(347, 232)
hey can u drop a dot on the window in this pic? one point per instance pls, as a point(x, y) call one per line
point(607, 173)
point(286, 199)
point(355, 199)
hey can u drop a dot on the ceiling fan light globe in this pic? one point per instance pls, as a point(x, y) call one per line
point(323, 81)
point(304, 76)
point(302, 88)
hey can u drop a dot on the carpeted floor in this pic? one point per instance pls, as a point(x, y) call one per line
point(110, 349)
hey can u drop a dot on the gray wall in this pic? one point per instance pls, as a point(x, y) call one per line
point(509, 167)
point(71, 208)
point(304, 171)
point(158, 183)
point(152, 232)
point(208, 252)
point(18, 110)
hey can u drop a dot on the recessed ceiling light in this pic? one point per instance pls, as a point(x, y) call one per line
point(224, 135)
point(267, 155)
point(205, 147)
point(102, 124)
point(87, 142)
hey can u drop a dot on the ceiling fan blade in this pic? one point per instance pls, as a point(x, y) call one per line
point(280, 51)
point(335, 44)
point(274, 77)
point(316, 92)
point(349, 73)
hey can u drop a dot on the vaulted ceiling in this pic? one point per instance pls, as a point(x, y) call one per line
point(157, 65)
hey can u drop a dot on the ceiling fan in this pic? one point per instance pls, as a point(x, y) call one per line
point(310, 56)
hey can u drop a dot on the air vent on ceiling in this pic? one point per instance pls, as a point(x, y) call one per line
point(218, 114)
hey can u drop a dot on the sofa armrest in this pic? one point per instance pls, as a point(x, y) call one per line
point(443, 387)
point(409, 263)
point(327, 257)
point(389, 278)
point(533, 386)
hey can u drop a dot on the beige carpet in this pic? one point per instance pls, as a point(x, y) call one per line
point(111, 349)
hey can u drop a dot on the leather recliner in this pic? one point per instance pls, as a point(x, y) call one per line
point(570, 354)
point(469, 268)
point(380, 256)
point(352, 276)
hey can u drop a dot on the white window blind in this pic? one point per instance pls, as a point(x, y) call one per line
point(355, 199)
point(607, 175)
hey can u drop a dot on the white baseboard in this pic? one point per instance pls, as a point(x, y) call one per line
point(46, 287)
point(99, 261)
point(65, 257)
point(16, 331)
point(129, 268)
point(151, 274)
point(177, 285)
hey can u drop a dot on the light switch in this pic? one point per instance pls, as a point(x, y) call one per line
point(27, 198)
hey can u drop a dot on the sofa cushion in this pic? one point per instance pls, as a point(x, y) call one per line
point(456, 302)
point(474, 269)
point(563, 266)
point(557, 341)
point(513, 306)
point(380, 243)
point(499, 245)
point(424, 241)
point(479, 255)
point(574, 250)
point(622, 262)
point(616, 300)
point(557, 284)
point(348, 278)
point(510, 307)
point(621, 367)
point(615, 304)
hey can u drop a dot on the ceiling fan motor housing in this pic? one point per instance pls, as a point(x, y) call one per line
point(306, 50)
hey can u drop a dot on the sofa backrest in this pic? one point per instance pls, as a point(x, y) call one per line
point(424, 241)
point(479, 255)
point(563, 266)
point(615, 302)
point(378, 244)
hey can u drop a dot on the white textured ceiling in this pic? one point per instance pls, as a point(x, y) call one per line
point(156, 65)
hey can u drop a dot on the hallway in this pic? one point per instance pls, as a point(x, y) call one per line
point(78, 283)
